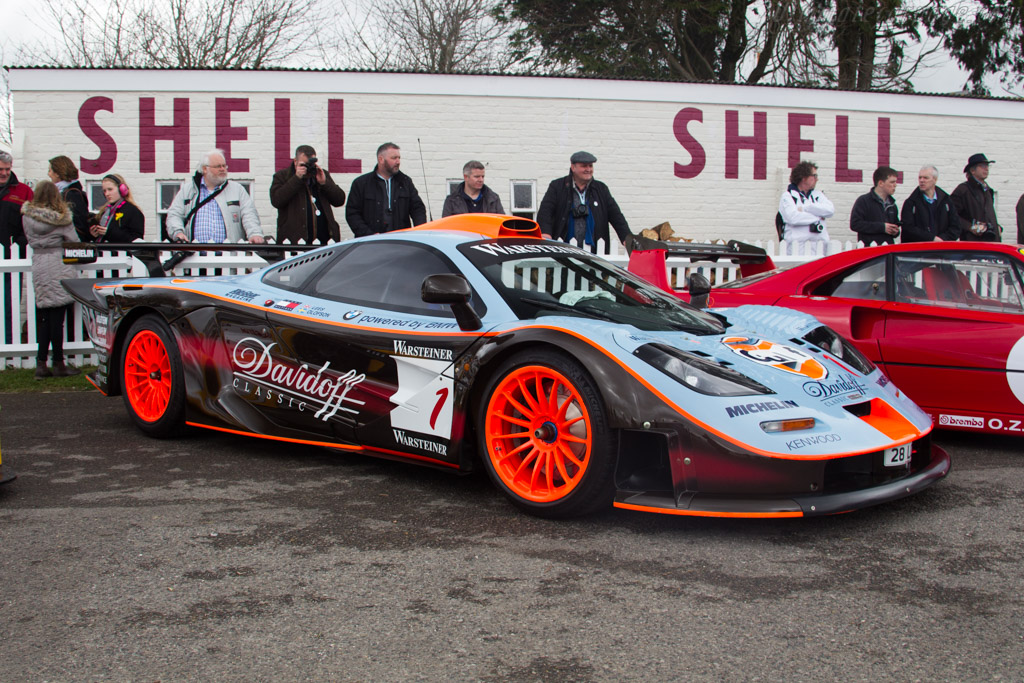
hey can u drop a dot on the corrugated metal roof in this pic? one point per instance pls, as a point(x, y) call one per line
point(958, 95)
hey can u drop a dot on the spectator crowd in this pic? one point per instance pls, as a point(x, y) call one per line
point(209, 207)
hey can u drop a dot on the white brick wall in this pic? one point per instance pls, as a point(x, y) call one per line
point(527, 128)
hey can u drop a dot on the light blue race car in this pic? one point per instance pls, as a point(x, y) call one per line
point(471, 341)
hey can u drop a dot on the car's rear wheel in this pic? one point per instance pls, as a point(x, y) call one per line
point(545, 437)
point(152, 380)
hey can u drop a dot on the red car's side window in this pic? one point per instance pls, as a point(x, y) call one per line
point(866, 281)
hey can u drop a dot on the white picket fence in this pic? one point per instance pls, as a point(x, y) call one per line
point(20, 351)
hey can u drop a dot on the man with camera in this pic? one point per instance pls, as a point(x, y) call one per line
point(303, 194)
point(579, 207)
point(803, 208)
point(875, 217)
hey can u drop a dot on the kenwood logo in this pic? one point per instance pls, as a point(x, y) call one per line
point(962, 421)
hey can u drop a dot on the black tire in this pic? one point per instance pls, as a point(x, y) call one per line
point(152, 380)
point(556, 458)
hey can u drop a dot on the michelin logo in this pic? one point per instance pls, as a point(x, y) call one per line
point(760, 407)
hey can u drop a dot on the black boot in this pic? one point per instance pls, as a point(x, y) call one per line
point(42, 372)
point(62, 370)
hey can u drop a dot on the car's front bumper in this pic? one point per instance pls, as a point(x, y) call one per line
point(755, 487)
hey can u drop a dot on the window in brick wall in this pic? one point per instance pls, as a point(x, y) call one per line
point(453, 184)
point(524, 198)
point(94, 193)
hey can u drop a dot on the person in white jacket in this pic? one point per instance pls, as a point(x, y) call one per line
point(211, 208)
point(804, 208)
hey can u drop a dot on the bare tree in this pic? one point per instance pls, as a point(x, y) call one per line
point(223, 34)
point(438, 36)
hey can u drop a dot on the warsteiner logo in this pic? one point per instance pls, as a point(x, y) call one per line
point(777, 356)
point(419, 442)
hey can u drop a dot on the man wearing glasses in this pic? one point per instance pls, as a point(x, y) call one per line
point(211, 208)
point(803, 208)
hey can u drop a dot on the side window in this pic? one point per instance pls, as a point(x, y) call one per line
point(296, 274)
point(385, 275)
point(864, 282)
point(961, 280)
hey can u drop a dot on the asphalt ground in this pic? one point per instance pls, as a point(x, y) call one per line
point(220, 557)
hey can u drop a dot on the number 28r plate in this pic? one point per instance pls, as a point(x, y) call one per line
point(897, 456)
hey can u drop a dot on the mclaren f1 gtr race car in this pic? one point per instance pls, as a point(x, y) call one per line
point(472, 341)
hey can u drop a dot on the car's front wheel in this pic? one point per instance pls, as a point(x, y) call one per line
point(152, 380)
point(545, 437)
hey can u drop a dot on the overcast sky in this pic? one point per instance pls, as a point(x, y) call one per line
point(21, 23)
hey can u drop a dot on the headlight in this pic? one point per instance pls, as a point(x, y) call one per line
point(828, 339)
point(701, 375)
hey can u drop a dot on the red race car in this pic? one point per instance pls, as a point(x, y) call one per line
point(944, 320)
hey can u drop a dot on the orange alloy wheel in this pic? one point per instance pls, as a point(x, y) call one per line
point(147, 376)
point(538, 434)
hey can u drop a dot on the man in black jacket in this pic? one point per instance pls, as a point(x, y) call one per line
point(385, 198)
point(975, 202)
point(472, 195)
point(928, 213)
point(303, 194)
point(875, 217)
point(577, 206)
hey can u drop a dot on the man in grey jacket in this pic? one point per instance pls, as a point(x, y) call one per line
point(472, 196)
point(211, 208)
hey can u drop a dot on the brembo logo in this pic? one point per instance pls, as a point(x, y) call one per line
point(328, 390)
point(962, 421)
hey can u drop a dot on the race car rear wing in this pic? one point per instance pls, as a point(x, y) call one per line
point(647, 257)
point(80, 253)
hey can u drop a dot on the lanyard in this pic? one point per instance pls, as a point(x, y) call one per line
point(111, 210)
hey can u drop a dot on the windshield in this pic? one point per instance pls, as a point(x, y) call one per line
point(546, 278)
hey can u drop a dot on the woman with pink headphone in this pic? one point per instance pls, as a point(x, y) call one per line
point(119, 220)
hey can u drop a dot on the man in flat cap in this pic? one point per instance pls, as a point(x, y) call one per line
point(579, 207)
point(975, 203)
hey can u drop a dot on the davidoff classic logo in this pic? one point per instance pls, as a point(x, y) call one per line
point(329, 390)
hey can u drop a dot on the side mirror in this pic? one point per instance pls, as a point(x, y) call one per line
point(700, 290)
point(451, 289)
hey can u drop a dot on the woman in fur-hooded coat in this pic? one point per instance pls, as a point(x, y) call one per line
point(48, 224)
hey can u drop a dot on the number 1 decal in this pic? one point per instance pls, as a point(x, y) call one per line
point(442, 396)
point(424, 397)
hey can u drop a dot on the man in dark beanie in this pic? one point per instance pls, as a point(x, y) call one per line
point(975, 203)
